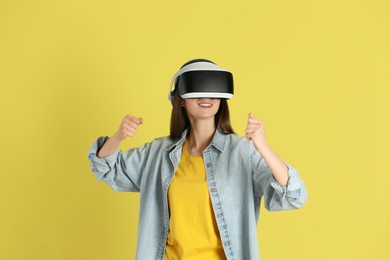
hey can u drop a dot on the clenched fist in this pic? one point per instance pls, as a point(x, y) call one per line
point(255, 132)
point(128, 127)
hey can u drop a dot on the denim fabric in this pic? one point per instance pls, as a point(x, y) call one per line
point(237, 177)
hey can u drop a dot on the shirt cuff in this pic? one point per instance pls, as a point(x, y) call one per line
point(101, 165)
point(293, 188)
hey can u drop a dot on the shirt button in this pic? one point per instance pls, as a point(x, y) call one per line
point(227, 243)
point(219, 215)
point(213, 189)
point(208, 165)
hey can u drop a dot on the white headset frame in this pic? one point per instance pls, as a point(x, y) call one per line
point(198, 66)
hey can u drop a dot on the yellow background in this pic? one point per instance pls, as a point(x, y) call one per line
point(317, 73)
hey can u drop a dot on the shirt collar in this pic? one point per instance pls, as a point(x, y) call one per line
point(219, 141)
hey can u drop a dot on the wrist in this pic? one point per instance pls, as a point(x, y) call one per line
point(117, 138)
point(262, 146)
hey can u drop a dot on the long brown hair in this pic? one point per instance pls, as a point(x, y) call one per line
point(179, 117)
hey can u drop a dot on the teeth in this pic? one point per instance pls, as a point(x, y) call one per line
point(205, 105)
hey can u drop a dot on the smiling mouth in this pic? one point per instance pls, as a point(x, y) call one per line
point(206, 105)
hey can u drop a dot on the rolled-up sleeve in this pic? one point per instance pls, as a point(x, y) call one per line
point(122, 171)
point(276, 197)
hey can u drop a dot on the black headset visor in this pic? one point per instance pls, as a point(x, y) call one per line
point(205, 84)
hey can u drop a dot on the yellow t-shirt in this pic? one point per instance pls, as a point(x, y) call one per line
point(193, 232)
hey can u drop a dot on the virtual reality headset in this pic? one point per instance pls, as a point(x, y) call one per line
point(203, 79)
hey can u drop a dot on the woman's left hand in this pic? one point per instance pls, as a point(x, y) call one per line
point(255, 132)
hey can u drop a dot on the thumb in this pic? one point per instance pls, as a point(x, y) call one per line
point(141, 120)
point(251, 115)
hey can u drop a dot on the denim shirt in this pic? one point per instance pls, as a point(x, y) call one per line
point(237, 177)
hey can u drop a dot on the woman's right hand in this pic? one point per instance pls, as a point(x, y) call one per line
point(128, 127)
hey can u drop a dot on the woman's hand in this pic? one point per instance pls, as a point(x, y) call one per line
point(128, 127)
point(255, 132)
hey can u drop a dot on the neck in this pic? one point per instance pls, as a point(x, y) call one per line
point(200, 137)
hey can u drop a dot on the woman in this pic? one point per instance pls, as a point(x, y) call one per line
point(200, 187)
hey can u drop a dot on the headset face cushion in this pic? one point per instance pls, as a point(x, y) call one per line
point(205, 84)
